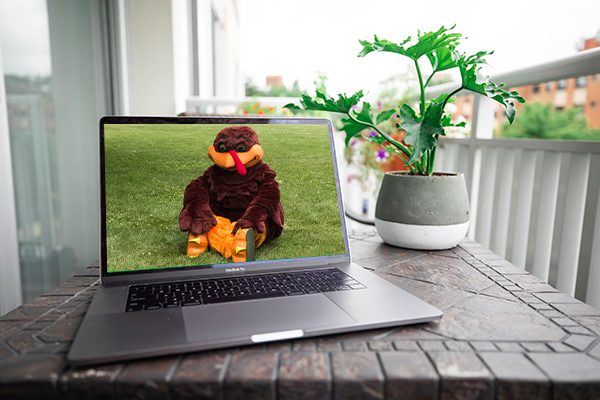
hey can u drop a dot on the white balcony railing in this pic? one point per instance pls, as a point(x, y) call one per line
point(534, 202)
point(219, 105)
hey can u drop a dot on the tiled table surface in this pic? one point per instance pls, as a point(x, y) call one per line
point(504, 334)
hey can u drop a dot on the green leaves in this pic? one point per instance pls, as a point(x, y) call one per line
point(422, 132)
point(361, 121)
point(440, 49)
point(382, 45)
point(441, 59)
point(354, 123)
point(324, 102)
point(426, 43)
point(365, 114)
point(351, 128)
point(384, 115)
point(504, 97)
point(469, 67)
point(343, 104)
point(447, 121)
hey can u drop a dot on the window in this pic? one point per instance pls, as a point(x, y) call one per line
point(592, 104)
point(581, 81)
point(536, 89)
point(548, 86)
point(562, 84)
point(52, 124)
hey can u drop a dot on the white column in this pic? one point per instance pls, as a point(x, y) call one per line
point(79, 94)
point(151, 57)
point(181, 54)
point(10, 278)
point(206, 52)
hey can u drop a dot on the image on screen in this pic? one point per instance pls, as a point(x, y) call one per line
point(183, 195)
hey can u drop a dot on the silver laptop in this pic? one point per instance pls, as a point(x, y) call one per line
point(220, 232)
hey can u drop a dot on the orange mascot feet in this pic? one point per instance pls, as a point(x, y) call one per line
point(239, 247)
point(243, 246)
point(197, 244)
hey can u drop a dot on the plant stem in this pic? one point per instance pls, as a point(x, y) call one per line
point(422, 88)
point(405, 150)
point(395, 151)
point(429, 156)
point(424, 162)
point(450, 95)
point(394, 142)
point(428, 79)
point(431, 161)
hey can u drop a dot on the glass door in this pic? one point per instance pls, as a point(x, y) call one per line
point(56, 74)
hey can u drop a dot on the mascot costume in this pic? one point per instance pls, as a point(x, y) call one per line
point(235, 206)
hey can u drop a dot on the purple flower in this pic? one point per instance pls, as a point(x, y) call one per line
point(352, 142)
point(372, 134)
point(381, 155)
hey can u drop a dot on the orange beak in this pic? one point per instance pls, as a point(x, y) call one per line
point(233, 160)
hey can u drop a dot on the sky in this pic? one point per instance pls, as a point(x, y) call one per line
point(299, 39)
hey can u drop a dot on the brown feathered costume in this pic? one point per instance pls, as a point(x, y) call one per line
point(235, 205)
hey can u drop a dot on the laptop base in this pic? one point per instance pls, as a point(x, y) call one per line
point(108, 334)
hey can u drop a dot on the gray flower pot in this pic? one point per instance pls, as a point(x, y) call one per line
point(422, 212)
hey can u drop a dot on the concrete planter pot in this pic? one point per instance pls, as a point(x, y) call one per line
point(422, 212)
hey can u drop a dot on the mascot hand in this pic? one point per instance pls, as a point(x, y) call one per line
point(199, 222)
point(244, 223)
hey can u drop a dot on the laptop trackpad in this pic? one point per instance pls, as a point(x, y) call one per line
point(241, 319)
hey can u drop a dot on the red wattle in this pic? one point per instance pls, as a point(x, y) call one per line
point(241, 169)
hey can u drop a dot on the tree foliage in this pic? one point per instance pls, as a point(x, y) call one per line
point(542, 121)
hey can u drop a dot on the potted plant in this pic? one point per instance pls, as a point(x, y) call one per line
point(419, 209)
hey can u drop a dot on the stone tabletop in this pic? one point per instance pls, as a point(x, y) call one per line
point(504, 334)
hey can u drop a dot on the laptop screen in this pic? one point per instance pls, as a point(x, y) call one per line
point(186, 195)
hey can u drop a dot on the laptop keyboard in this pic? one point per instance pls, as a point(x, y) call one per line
point(208, 291)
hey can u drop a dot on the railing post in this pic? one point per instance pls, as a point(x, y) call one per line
point(593, 283)
point(546, 214)
point(482, 127)
point(572, 227)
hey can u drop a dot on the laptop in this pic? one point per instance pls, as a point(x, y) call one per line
point(219, 232)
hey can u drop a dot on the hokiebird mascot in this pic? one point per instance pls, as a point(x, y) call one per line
point(235, 206)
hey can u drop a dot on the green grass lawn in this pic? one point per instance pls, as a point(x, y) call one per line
point(149, 166)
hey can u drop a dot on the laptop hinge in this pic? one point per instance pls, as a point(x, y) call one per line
point(218, 275)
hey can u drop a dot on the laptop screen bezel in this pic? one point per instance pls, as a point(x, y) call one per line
point(213, 269)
